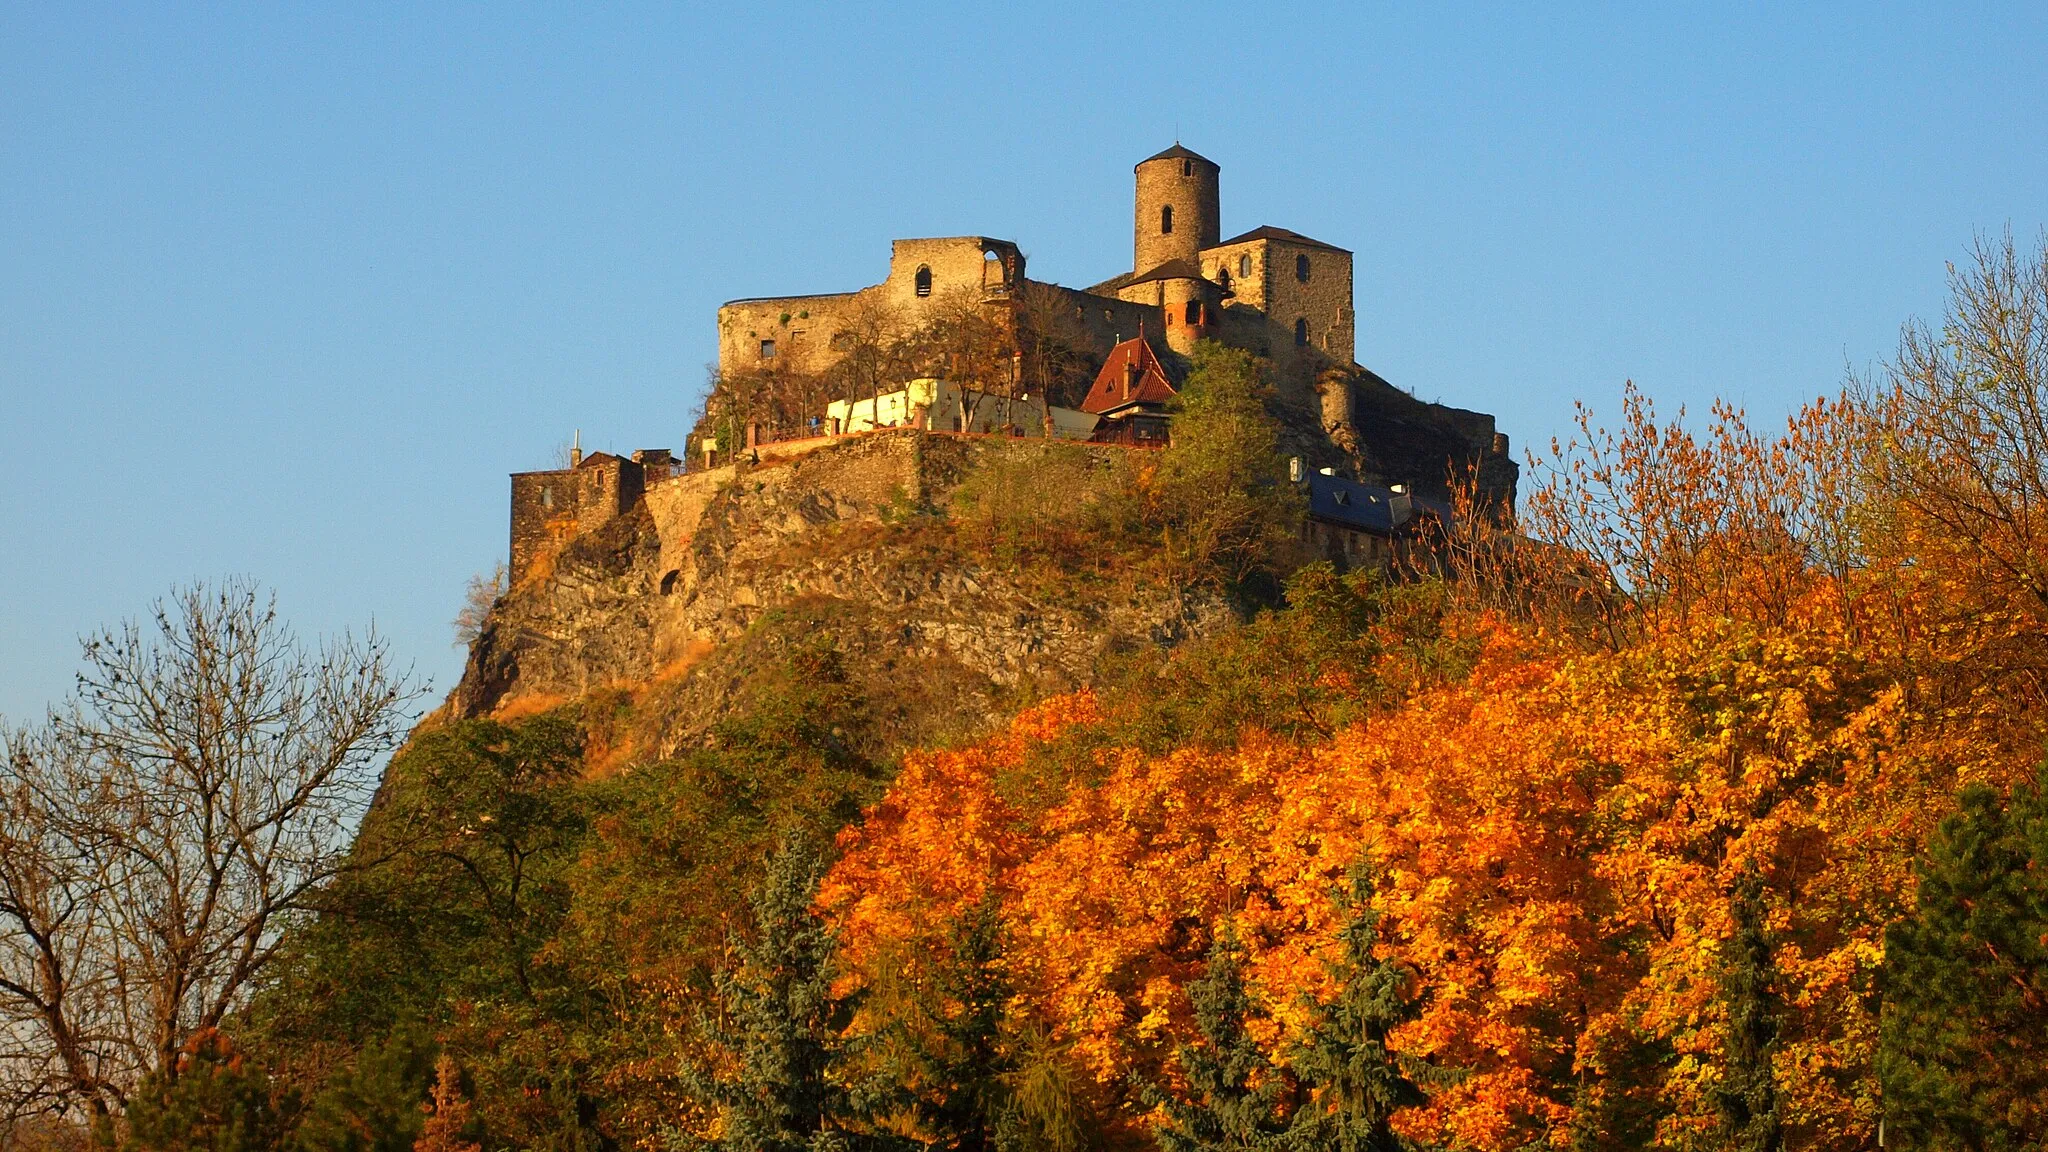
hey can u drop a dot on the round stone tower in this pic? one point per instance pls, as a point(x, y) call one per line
point(1192, 308)
point(1177, 209)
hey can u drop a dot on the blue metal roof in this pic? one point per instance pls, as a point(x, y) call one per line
point(1366, 507)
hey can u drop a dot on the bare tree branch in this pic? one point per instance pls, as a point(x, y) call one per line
point(165, 826)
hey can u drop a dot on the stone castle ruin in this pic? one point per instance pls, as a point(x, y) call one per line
point(1276, 293)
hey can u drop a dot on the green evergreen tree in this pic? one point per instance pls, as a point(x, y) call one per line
point(1236, 1091)
point(214, 1100)
point(1359, 1084)
point(1963, 1040)
point(373, 1103)
point(777, 1033)
point(1749, 1089)
point(949, 1051)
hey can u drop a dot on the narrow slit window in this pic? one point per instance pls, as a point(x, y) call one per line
point(1301, 332)
point(1301, 268)
point(1244, 264)
point(1166, 220)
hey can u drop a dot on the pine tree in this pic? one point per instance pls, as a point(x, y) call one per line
point(1749, 1089)
point(776, 1041)
point(951, 1047)
point(1963, 1041)
point(372, 1103)
point(1235, 1089)
point(1359, 1084)
point(213, 1100)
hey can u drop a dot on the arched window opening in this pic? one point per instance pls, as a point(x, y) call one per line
point(1301, 333)
point(924, 280)
point(1301, 268)
point(1244, 264)
point(1166, 220)
point(1187, 167)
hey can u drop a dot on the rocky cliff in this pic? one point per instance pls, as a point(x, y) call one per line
point(894, 548)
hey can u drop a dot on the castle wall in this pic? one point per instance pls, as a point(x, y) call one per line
point(801, 328)
point(1324, 299)
point(987, 269)
point(1226, 264)
point(805, 331)
point(552, 507)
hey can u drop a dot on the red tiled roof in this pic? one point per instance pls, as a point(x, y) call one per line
point(1131, 375)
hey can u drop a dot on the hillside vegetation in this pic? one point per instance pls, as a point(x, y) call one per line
point(1714, 822)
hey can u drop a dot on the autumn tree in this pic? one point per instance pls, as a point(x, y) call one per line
point(1359, 1082)
point(1962, 463)
point(1964, 1056)
point(447, 1114)
point(1220, 493)
point(161, 831)
point(1659, 524)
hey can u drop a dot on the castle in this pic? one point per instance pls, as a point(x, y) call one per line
point(1361, 443)
point(1275, 292)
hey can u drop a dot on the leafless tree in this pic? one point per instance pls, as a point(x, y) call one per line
point(164, 827)
point(1968, 419)
point(868, 344)
point(477, 601)
point(1061, 355)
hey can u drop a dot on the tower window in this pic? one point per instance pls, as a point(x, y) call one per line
point(1301, 268)
point(1301, 333)
point(1244, 264)
point(1166, 220)
point(767, 349)
point(924, 280)
point(1194, 312)
point(1187, 167)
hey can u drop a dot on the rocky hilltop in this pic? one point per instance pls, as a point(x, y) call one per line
point(899, 549)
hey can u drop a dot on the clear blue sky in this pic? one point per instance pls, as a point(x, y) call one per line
point(286, 290)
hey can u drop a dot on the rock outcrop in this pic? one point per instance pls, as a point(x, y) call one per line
point(851, 541)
